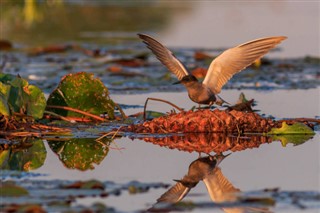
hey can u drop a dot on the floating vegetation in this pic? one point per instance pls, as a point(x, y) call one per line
point(61, 195)
point(218, 121)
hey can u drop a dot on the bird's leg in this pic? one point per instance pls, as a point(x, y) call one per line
point(199, 156)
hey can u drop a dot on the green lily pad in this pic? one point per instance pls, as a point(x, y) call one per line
point(296, 128)
point(80, 153)
point(16, 95)
point(296, 133)
point(4, 158)
point(84, 92)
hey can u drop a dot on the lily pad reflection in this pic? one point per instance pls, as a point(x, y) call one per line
point(80, 153)
point(23, 156)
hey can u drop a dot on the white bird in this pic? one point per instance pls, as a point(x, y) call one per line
point(221, 69)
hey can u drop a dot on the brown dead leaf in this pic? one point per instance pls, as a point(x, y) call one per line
point(5, 45)
point(49, 49)
point(90, 184)
point(135, 62)
point(199, 56)
point(115, 69)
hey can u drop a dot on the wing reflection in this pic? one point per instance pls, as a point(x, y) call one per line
point(220, 189)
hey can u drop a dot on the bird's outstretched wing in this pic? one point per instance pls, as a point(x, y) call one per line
point(236, 59)
point(164, 55)
point(174, 194)
point(221, 190)
point(219, 187)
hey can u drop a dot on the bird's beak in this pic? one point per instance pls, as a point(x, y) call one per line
point(178, 82)
point(220, 158)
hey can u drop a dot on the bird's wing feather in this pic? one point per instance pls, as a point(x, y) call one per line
point(174, 194)
point(219, 187)
point(164, 55)
point(236, 59)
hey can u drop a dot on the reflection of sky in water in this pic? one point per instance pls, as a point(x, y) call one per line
point(224, 24)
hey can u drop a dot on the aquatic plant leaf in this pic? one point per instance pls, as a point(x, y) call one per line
point(17, 95)
point(35, 101)
point(9, 189)
point(4, 157)
point(4, 107)
point(84, 92)
point(296, 128)
point(80, 153)
point(27, 159)
point(90, 184)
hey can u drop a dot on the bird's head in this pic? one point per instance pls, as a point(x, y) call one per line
point(187, 80)
point(219, 157)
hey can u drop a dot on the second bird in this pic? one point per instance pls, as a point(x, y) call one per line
point(221, 69)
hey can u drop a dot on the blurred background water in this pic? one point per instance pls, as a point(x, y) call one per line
point(208, 24)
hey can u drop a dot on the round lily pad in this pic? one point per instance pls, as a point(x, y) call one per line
point(84, 92)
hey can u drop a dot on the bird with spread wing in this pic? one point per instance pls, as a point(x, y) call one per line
point(221, 69)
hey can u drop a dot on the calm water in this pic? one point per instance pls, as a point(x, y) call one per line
point(203, 25)
point(269, 166)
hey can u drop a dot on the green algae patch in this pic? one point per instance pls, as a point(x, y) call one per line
point(9, 189)
point(83, 92)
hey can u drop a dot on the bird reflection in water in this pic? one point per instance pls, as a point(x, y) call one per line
point(219, 188)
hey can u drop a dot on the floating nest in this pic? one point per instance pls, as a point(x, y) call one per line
point(207, 121)
point(218, 130)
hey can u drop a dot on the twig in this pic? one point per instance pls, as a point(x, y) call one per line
point(114, 133)
point(43, 127)
point(161, 100)
point(59, 116)
point(121, 111)
point(76, 110)
point(21, 134)
point(112, 138)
